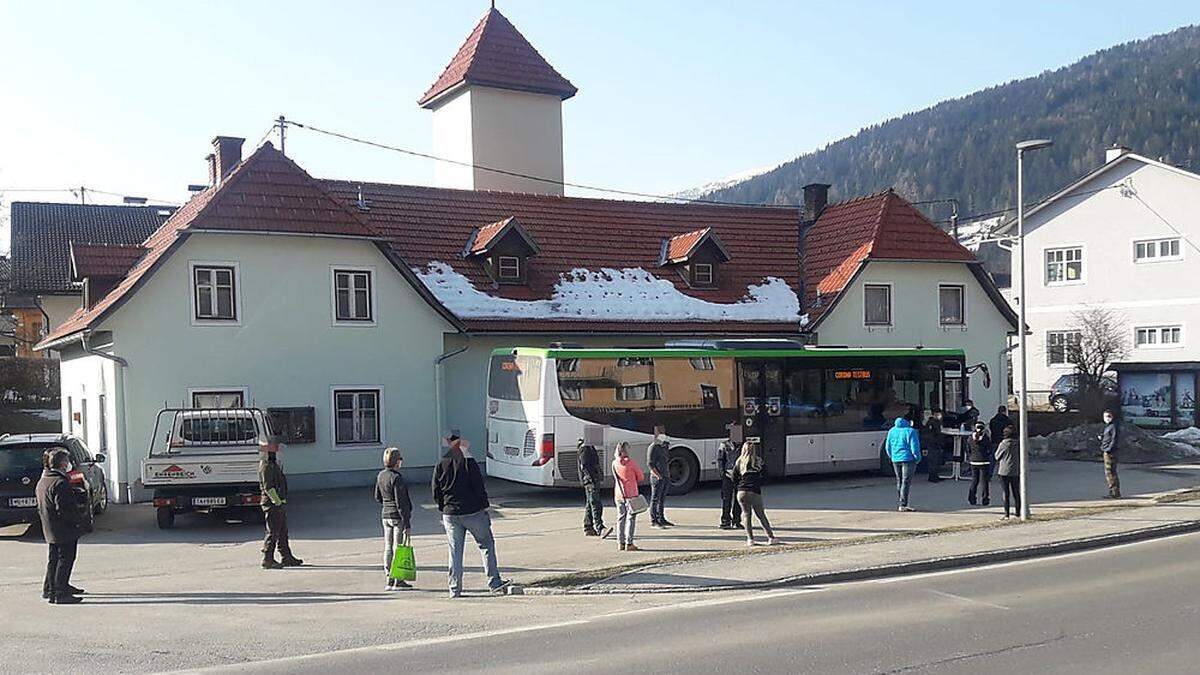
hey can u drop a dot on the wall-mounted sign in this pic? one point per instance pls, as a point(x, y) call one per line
point(774, 406)
point(750, 406)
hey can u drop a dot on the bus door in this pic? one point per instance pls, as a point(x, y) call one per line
point(761, 402)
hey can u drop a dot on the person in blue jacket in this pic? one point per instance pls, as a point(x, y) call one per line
point(903, 445)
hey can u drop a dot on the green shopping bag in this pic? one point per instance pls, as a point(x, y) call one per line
point(404, 562)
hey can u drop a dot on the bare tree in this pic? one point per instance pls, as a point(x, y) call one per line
point(1103, 339)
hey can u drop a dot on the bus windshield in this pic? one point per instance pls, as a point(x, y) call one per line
point(515, 378)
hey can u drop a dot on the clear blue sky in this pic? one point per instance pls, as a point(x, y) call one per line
point(125, 96)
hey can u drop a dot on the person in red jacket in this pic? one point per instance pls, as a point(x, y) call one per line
point(626, 476)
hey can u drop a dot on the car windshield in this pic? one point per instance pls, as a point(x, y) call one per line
point(18, 459)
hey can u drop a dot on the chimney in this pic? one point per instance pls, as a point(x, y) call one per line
point(227, 152)
point(816, 196)
point(1115, 152)
point(211, 160)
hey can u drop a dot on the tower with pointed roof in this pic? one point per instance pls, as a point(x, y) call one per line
point(498, 105)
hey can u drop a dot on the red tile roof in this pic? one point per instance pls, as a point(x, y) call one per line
point(103, 260)
point(881, 226)
point(495, 54)
point(681, 247)
point(484, 236)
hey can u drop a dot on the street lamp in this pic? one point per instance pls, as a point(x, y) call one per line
point(1023, 400)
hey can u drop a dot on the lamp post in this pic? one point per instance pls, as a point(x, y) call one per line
point(1023, 396)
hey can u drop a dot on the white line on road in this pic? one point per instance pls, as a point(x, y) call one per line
point(971, 601)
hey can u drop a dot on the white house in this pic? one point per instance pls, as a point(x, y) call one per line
point(1122, 238)
point(369, 310)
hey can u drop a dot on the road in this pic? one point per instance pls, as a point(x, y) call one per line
point(1133, 608)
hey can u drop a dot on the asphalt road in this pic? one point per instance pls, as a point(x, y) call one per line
point(1129, 609)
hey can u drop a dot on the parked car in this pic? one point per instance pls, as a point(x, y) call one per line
point(1065, 395)
point(21, 467)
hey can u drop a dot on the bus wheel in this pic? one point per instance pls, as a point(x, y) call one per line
point(683, 471)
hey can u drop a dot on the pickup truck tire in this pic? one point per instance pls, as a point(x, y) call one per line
point(165, 517)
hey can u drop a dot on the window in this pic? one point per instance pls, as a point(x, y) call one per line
point(1060, 344)
point(638, 392)
point(356, 416)
point(515, 378)
point(1157, 250)
point(710, 396)
point(1064, 265)
point(701, 363)
point(568, 365)
point(877, 304)
point(352, 300)
point(229, 398)
point(703, 275)
point(1158, 336)
point(570, 391)
point(951, 305)
point(805, 405)
point(215, 293)
point(294, 424)
point(508, 268)
point(634, 361)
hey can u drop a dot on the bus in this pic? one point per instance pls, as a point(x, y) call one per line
point(813, 409)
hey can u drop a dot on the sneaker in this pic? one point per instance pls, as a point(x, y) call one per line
point(725, 526)
point(656, 524)
point(75, 591)
point(736, 526)
point(773, 541)
point(907, 509)
point(66, 600)
point(665, 523)
point(631, 547)
point(291, 561)
point(987, 501)
point(501, 587)
point(591, 533)
point(623, 547)
point(455, 594)
point(271, 564)
point(750, 541)
point(400, 585)
point(606, 533)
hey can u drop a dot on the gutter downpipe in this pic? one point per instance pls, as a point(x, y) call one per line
point(439, 386)
point(120, 468)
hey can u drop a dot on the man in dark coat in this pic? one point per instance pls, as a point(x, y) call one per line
point(727, 455)
point(1110, 442)
point(591, 475)
point(657, 459)
point(59, 509)
point(273, 485)
point(997, 423)
point(461, 496)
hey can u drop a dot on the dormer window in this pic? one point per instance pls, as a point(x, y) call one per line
point(503, 248)
point(696, 255)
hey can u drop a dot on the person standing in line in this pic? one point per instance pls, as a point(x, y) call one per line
point(969, 415)
point(1110, 443)
point(274, 493)
point(749, 473)
point(590, 474)
point(657, 459)
point(903, 446)
point(997, 424)
point(626, 476)
point(979, 456)
point(931, 438)
point(462, 498)
point(59, 510)
point(731, 508)
point(395, 510)
point(1008, 468)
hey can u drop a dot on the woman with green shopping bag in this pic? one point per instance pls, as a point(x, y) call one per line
point(392, 495)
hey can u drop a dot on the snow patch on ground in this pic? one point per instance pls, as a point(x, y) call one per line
point(629, 294)
point(1190, 435)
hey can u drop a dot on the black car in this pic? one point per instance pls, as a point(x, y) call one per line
point(21, 467)
point(1065, 395)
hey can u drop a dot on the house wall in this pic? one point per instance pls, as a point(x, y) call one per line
point(915, 321)
point(285, 350)
point(57, 307)
point(1106, 224)
point(503, 129)
point(91, 391)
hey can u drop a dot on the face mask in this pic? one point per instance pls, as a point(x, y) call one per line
point(67, 467)
point(660, 437)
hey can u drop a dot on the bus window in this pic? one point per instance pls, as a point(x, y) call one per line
point(906, 391)
point(805, 405)
point(858, 400)
point(515, 378)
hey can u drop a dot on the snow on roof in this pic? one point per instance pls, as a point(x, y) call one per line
point(628, 294)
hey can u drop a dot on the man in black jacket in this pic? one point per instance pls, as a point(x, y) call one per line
point(1110, 442)
point(590, 474)
point(59, 509)
point(273, 486)
point(731, 510)
point(460, 495)
point(657, 459)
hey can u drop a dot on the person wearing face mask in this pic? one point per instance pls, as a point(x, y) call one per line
point(1110, 442)
point(657, 457)
point(273, 485)
point(979, 456)
point(396, 511)
point(58, 507)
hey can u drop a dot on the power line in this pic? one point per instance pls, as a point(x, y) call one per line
point(1135, 195)
point(75, 191)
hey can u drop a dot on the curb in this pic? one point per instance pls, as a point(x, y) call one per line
point(900, 569)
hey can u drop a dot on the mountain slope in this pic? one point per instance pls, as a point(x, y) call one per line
point(1143, 94)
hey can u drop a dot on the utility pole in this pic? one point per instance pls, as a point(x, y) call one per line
point(82, 195)
point(282, 131)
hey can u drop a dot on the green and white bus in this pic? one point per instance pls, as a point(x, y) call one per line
point(814, 409)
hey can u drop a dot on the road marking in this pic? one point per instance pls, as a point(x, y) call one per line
point(967, 600)
point(713, 602)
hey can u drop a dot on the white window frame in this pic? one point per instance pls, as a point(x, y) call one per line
point(652, 389)
point(1083, 266)
point(1157, 333)
point(1157, 242)
point(373, 294)
point(891, 320)
point(696, 267)
point(516, 260)
point(1064, 364)
point(379, 401)
point(962, 289)
point(193, 391)
point(193, 306)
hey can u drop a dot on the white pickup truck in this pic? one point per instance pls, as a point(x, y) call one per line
point(205, 460)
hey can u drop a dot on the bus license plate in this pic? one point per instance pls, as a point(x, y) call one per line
point(511, 451)
point(23, 501)
point(208, 501)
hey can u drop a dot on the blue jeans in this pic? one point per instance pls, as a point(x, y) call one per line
point(904, 473)
point(479, 524)
point(658, 498)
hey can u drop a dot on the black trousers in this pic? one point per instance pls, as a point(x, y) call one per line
point(731, 509)
point(981, 473)
point(933, 461)
point(1011, 486)
point(59, 565)
point(593, 509)
point(658, 499)
point(277, 533)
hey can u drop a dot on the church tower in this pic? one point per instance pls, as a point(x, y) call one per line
point(498, 104)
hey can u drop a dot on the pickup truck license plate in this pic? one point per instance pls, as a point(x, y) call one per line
point(23, 501)
point(208, 501)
